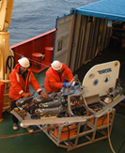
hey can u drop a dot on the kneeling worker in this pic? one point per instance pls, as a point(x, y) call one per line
point(55, 77)
point(20, 78)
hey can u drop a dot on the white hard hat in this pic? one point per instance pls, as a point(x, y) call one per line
point(24, 62)
point(56, 65)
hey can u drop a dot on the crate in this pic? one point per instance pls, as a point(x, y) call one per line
point(66, 132)
point(102, 120)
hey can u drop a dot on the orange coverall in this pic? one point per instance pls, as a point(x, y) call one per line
point(54, 79)
point(19, 85)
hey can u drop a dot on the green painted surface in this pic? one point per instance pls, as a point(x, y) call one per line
point(40, 78)
point(40, 143)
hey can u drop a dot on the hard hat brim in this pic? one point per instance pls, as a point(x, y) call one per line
point(57, 69)
point(21, 63)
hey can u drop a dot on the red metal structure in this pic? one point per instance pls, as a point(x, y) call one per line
point(34, 45)
point(1, 97)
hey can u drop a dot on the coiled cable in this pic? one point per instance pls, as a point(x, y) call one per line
point(10, 62)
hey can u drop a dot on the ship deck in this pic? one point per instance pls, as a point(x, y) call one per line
point(39, 142)
point(21, 141)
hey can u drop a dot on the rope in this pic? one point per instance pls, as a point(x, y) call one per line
point(16, 135)
point(33, 60)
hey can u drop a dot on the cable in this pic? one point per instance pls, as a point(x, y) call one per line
point(121, 146)
point(66, 94)
point(108, 119)
point(9, 63)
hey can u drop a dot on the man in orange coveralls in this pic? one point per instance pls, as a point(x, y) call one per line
point(55, 77)
point(20, 78)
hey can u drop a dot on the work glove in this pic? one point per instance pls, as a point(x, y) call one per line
point(66, 84)
point(44, 94)
point(25, 94)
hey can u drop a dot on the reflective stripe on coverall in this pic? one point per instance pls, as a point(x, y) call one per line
point(19, 85)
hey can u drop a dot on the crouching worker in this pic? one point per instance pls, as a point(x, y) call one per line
point(55, 77)
point(20, 78)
